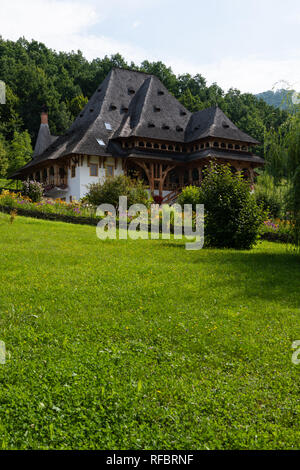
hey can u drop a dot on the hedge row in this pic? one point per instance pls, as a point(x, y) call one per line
point(272, 237)
point(54, 217)
point(61, 217)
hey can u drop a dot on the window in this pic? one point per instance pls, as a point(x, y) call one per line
point(71, 198)
point(93, 169)
point(108, 126)
point(109, 170)
point(73, 171)
point(100, 142)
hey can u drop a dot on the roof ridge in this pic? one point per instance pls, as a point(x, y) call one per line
point(134, 71)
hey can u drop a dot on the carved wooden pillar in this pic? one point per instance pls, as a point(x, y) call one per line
point(200, 174)
point(161, 181)
point(56, 174)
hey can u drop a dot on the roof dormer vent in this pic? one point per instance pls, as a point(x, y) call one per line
point(124, 109)
point(225, 125)
point(179, 129)
point(156, 109)
point(131, 91)
point(160, 92)
point(113, 107)
point(151, 124)
point(182, 112)
point(165, 126)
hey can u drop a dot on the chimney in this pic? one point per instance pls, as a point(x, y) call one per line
point(44, 115)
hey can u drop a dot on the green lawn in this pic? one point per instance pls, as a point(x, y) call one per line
point(144, 345)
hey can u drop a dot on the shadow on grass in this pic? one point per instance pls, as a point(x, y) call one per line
point(270, 275)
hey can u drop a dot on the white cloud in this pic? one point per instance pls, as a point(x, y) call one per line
point(136, 24)
point(65, 25)
point(248, 74)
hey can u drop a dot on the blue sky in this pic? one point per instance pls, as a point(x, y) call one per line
point(249, 45)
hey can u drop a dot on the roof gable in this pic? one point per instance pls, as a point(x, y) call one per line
point(212, 122)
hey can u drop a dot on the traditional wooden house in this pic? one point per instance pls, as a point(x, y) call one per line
point(133, 125)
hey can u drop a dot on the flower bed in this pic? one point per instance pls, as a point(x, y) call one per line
point(46, 206)
point(277, 230)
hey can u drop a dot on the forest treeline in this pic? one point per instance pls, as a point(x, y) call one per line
point(36, 75)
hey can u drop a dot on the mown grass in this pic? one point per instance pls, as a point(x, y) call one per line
point(144, 345)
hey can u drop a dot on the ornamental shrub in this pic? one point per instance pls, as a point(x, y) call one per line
point(33, 189)
point(114, 187)
point(232, 216)
point(189, 195)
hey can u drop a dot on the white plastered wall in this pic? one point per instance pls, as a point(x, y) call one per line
point(78, 184)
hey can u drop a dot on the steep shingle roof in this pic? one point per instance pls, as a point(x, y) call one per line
point(44, 140)
point(129, 103)
point(212, 122)
point(155, 113)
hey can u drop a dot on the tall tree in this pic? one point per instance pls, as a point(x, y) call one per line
point(3, 157)
point(20, 151)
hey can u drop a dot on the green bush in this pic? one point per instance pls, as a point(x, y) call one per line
point(232, 215)
point(270, 204)
point(33, 190)
point(110, 191)
point(271, 196)
point(189, 195)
